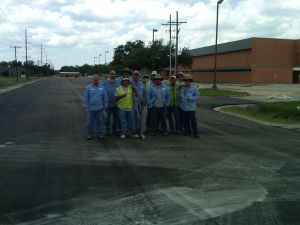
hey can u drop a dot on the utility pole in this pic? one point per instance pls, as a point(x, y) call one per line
point(41, 54)
point(16, 60)
point(176, 49)
point(176, 23)
point(46, 65)
point(26, 55)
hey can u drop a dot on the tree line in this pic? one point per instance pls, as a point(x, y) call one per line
point(138, 56)
point(14, 67)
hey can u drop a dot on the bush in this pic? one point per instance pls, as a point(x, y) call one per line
point(5, 73)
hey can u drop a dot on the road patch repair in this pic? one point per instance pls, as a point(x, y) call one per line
point(237, 172)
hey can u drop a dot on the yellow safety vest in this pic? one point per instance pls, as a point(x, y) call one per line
point(147, 84)
point(126, 102)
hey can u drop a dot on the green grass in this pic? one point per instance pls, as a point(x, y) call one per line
point(275, 112)
point(218, 92)
point(11, 81)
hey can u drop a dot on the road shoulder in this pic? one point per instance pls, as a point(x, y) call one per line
point(14, 87)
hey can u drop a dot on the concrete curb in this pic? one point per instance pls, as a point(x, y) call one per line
point(295, 127)
point(11, 88)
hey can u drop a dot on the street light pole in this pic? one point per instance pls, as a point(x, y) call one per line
point(99, 59)
point(154, 30)
point(95, 60)
point(170, 43)
point(216, 46)
point(105, 56)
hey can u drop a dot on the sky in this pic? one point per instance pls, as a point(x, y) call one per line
point(73, 32)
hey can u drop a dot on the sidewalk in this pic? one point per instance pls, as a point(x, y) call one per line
point(264, 92)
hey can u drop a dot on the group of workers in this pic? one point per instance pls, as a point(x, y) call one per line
point(117, 105)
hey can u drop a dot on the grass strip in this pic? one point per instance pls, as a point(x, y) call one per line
point(11, 81)
point(275, 112)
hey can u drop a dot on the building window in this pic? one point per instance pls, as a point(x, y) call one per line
point(225, 70)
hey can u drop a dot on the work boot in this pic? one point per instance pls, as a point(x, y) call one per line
point(100, 136)
point(123, 136)
point(116, 133)
point(135, 136)
point(109, 133)
point(90, 138)
point(186, 134)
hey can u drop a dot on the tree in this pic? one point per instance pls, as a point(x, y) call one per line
point(84, 68)
point(123, 56)
point(137, 56)
point(185, 58)
point(33, 69)
point(159, 55)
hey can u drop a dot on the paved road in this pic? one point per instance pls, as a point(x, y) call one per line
point(238, 172)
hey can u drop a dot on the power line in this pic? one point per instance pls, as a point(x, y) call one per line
point(9, 11)
point(42, 54)
point(6, 17)
point(170, 44)
point(26, 53)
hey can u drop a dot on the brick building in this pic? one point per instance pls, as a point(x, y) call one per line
point(253, 60)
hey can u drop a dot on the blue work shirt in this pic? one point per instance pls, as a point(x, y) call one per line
point(147, 85)
point(152, 94)
point(95, 97)
point(139, 87)
point(110, 89)
point(188, 98)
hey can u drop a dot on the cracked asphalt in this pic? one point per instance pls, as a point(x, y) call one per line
point(238, 172)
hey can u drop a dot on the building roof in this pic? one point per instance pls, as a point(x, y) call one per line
point(232, 46)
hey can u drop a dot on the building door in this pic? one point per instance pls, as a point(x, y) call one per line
point(296, 77)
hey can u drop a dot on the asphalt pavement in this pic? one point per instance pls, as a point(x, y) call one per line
point(238, 172)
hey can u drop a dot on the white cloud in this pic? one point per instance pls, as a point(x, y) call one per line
point(81, 29)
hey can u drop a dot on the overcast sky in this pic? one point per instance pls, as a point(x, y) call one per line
point(73, 32)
